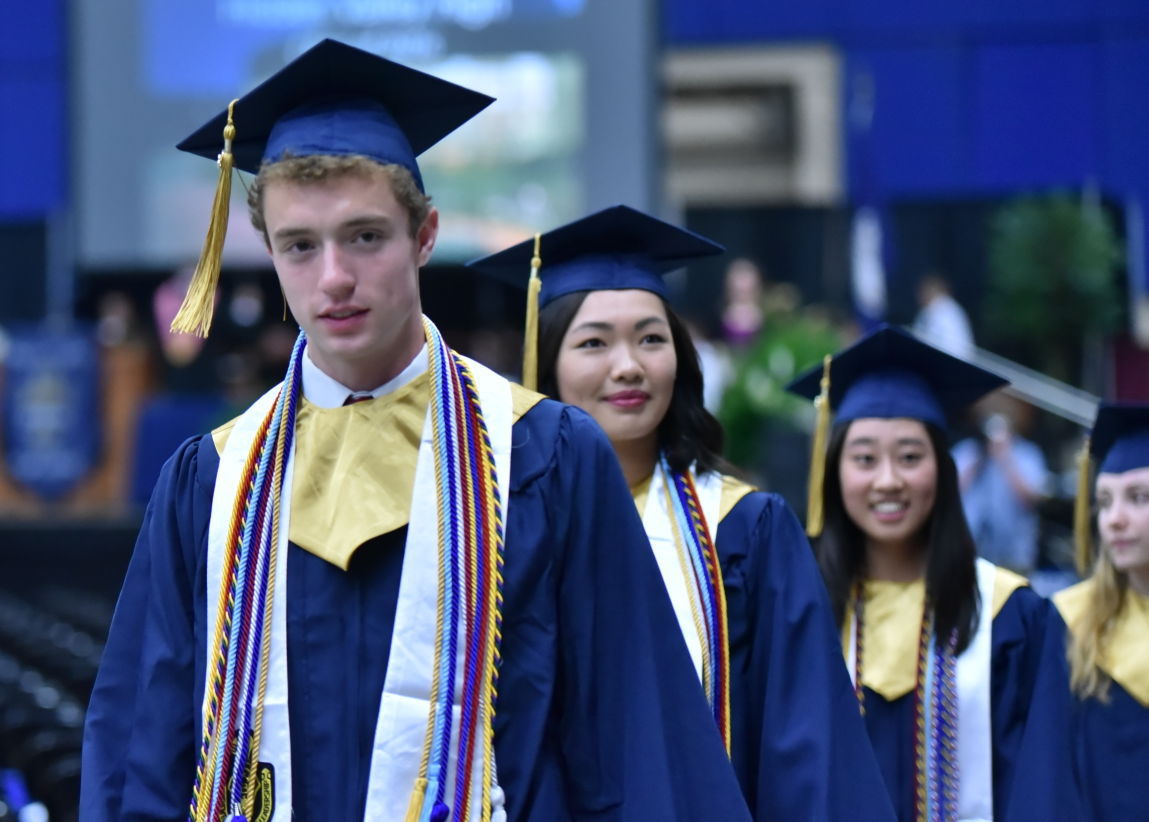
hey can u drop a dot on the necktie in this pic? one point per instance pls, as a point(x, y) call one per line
point(358, 396)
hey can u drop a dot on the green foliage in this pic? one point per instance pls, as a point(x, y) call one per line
point(789, 343)
point(1052, 264)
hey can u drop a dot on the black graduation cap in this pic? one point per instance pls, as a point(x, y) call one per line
point(333, 99)
point(338, 99)
point(1119, 441)
point(617, 248)
point(890, 373)
point(614, 249)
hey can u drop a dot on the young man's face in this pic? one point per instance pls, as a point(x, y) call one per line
point(349, 267)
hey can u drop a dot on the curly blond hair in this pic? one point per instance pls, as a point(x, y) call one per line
point(316, 168)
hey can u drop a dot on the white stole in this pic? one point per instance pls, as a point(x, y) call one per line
point(404, 706)
point(658, 520)
point(975, 732)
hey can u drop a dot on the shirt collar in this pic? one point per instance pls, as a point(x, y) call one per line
point(327, 392)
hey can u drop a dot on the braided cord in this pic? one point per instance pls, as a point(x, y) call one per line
point(921, 712)
point(721, 659)
point(284, 445)
point(859, 634)
point(491, 532)
point(707, 577)
point(474, 576)
point(948, 729)
point(238, 668)
point(430, 782)
point(199, 806)
point(693, 595)
point(469, 592)
point(935, 723)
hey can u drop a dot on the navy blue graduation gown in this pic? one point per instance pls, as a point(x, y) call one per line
point(1082, 759)
point(798, 743)
point(599, 715)
point(1018, 632)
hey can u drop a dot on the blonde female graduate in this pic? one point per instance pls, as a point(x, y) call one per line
point(943, 646)
point(1087, 751)
point(734, 561)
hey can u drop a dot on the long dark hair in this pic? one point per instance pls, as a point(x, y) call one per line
point(951, 574)
point(688, 434)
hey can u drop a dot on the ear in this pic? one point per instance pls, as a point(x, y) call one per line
point(426, 235)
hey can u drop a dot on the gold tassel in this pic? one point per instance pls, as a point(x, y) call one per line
point(415, 807)
point(814, 502)
point(531, 332)
point(195, 313)
point(1082, 549)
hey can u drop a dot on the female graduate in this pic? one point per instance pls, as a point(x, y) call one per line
point(735, 562)
point(1086, 755)
point(942, 646)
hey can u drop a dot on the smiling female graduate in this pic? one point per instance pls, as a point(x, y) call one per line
point(398, 587)
point(1086, 753)
point(734, 560)
point(942, 646)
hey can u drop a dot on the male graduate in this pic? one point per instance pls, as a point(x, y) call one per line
point(397, 587)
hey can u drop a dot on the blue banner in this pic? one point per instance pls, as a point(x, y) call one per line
point(51, 409)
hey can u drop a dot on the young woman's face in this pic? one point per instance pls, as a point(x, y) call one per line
point(889, 475)
point(1123, 518)
point(617, 363)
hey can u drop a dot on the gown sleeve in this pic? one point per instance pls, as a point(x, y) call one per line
point(1018, 639)
point(800, 747)
point(1043, 783)
point(1080, 758)
point(139, 746)
point(639, 741)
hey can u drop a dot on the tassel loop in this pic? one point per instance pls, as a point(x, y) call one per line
point(815, 514)
point(531, 332)
point(1082, 547)
point(195, 314)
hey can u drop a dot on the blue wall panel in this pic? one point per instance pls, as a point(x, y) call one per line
point(33, 99)
point(688, 22)
point(973, 98)
point(1036, 115)
point(919, 138)
point(1124, 129)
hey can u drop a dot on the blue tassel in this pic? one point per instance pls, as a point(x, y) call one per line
point(440, 812)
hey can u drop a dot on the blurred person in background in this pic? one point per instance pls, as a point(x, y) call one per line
point(767, 427)
point(1003, 478)
point(942, 646)
point(941, 321)
point(742, 312)
point(734, 560)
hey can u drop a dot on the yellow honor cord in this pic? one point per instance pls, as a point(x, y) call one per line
point(1083, 550)
point(815, 514)
point(531, 332)
point(195, 313)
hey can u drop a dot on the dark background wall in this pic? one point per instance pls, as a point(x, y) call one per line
point(33, 149)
